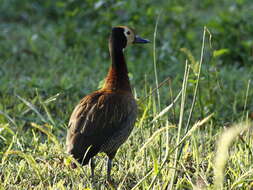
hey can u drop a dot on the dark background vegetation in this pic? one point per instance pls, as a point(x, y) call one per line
point(50, 47)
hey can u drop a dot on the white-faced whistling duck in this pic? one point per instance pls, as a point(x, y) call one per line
point(104, 119)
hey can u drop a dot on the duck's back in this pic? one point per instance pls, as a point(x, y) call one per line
point(101, 122)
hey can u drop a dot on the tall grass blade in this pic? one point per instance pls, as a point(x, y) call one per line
point(196, 87)
point(9, 148)
point(154, 61)
point(165, 110)
point(184, 87)
point(43, 103)
point(7, 128)
point(30, 160)
point(46, 132)
point(241, 179)
point(156, 133)
point(246, 97)
point(32, 107)
point(198, 79)
point(9, 118)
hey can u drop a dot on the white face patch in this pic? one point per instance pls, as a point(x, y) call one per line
point(129, 35)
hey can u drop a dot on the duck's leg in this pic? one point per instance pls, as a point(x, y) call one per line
point(92, 168)
point(109, 165)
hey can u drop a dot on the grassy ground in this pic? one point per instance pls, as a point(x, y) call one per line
point(53, 53)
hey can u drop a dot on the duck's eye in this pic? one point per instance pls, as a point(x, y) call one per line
point(128, 32)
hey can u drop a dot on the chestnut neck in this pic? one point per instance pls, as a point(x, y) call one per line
point(117, 77)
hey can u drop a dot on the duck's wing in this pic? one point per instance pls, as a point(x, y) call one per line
point(96, 119)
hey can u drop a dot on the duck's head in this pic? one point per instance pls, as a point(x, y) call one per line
point(122, 36)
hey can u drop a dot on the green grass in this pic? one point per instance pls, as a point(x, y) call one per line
point(53, 53)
